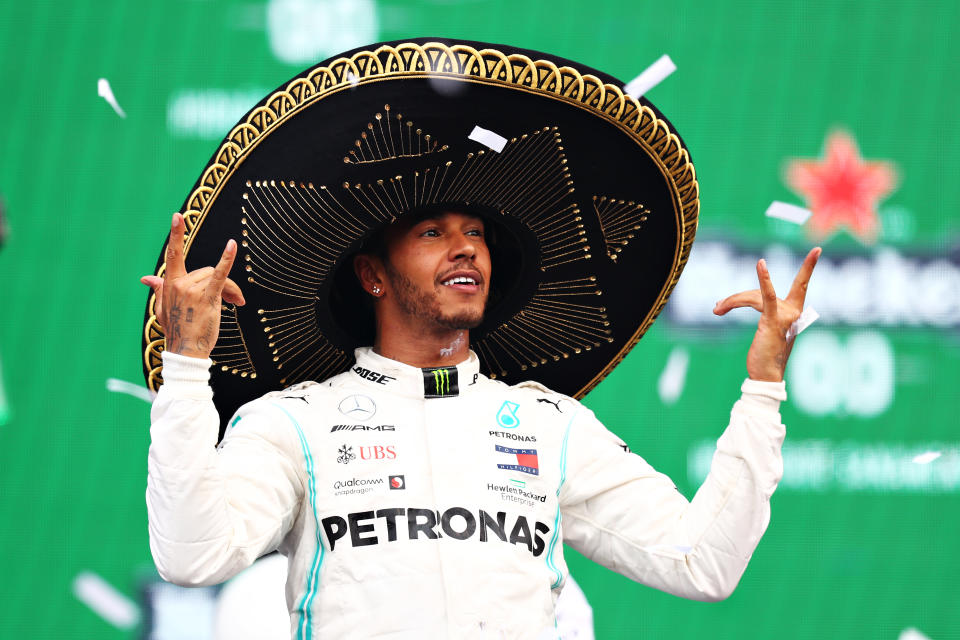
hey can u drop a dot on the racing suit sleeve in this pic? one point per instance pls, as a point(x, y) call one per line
point(620, 512)
point(212, 512)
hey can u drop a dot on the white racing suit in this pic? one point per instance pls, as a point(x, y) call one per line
point(434, 503)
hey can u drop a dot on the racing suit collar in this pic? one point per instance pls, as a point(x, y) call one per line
point(432, 382)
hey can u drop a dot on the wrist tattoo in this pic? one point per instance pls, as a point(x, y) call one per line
point(174, 336)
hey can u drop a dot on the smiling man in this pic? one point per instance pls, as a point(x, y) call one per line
point(415, 493)
point(404, 511)
point(436, 268)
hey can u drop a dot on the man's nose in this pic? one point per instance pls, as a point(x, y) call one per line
point(461, 247)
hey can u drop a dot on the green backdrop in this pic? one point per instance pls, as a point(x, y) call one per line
point(862, 542)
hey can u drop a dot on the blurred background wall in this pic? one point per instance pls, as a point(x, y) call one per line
point(846, 108)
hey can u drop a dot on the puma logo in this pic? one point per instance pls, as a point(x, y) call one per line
point(556, 405)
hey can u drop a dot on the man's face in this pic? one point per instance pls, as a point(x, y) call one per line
point(439, 270)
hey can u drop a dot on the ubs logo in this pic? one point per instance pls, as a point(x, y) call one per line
point(378, 452)
point(345, 454)
point(358, 407)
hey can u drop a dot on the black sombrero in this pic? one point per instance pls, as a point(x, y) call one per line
point(592, 194)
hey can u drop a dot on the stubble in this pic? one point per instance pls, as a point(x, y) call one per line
point(426, 304)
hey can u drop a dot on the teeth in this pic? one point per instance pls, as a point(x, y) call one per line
point(460, 280)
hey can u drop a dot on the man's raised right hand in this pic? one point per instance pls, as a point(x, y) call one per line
point(188, 304)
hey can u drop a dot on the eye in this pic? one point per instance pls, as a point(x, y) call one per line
point(432, 232)
point(475, 232)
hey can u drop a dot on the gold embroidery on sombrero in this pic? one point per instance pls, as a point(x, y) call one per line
point(557, 322)
point(395, 140)
point(299, 350)
point(231, 353)
point(528, 180)
point(618, 221)
point(293, 235)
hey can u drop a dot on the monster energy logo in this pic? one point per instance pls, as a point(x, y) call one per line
point(440, 382)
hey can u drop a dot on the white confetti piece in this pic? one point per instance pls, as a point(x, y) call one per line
point(489, 138)
point(807, 318)
point(129, 388)
point(107, 602)
point(674, 375)
point(912, 634)
point(927, 458)
point(789, 212)
point(4, 407)
point(352, 79)
point(651, 77)
point(105, 92)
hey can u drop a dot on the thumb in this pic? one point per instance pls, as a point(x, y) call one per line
point(152, 281)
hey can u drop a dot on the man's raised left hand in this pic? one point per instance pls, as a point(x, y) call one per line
point(770, 349)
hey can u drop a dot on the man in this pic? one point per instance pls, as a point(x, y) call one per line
point(442, 552)
point(516, 231)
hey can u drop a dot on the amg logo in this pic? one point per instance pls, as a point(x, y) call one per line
point(372, 376)
point(362, 427)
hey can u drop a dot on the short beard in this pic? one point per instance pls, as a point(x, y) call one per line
point(422, 304)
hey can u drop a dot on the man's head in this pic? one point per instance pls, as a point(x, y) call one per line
point(430, 270)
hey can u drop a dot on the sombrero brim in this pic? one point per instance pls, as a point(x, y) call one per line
point(595, 189)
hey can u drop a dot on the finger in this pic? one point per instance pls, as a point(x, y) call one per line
point(219, 278)
point(739, 300)
point(175, 266)
point(154, 282)
point(767, 292)
point(798, 291)
point(232, 293)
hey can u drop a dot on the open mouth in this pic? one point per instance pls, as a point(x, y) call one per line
point(462, 282)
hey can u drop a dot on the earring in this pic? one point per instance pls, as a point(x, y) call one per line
point(376, 290)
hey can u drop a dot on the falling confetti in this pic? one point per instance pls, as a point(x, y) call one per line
point(673, 378)
point(927, 458)
point(105, 92)
point(807, 318)
point(135, 390)
point(4, 407)
point(107, 602)
point(789, 212)
point(651, 77)
point(488, 138)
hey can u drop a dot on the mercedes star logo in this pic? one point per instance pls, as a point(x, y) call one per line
point(358, 407)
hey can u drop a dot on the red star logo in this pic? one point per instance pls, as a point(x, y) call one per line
point(841, 189)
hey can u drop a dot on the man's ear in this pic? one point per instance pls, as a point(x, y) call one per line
point(369, 270)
